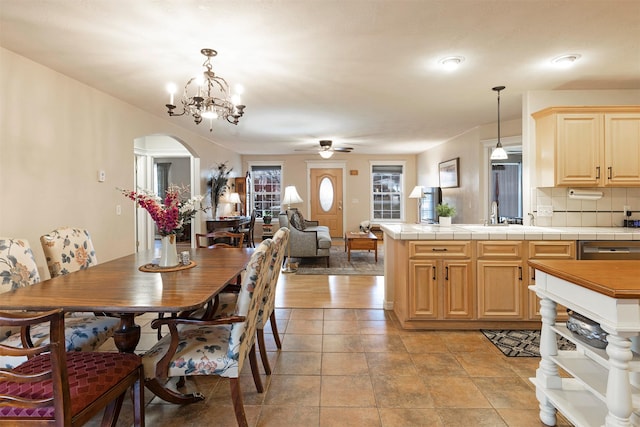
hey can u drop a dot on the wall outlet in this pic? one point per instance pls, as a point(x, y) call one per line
point(625, 209)
point(102, 176)
point(118, 210)
point(545, 211)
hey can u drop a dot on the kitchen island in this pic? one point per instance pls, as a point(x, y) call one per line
point(474, 276)
point(604, 385)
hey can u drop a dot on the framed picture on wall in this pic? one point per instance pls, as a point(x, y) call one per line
point(449, 173)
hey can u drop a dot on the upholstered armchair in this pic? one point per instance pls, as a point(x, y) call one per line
point(18, 268)
point(307, 238)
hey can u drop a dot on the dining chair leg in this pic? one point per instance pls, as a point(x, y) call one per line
point(253, 361)
point(238, 405)
point(138, 400)
point(112, 411)
point(263, 351)
point(274, 329)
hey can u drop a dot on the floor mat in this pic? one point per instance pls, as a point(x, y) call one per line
point(521, 343)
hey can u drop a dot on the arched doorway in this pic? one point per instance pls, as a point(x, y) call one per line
point(161, 160)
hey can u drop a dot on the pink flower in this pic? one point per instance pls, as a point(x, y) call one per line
point(173, 214)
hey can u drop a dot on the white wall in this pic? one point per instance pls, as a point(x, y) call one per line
point(55, 134)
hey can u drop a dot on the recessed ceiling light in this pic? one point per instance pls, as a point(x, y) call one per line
point(565, 60)
point(451, 62)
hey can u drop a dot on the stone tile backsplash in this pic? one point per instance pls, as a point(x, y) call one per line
point(567, 212)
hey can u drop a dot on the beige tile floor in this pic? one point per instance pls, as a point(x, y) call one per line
point(356, 367)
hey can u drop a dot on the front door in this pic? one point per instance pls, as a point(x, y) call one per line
point(326, 199)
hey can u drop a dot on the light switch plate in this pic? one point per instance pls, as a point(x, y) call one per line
point(545, 211)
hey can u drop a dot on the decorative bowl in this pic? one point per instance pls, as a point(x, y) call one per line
point(586, 330)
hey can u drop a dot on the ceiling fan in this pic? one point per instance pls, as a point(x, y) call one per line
point(327, 149)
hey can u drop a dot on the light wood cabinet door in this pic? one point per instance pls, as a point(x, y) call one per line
point(500, 290)
point(423, 290)
point(441, 289)
point(579, 149)
point(458, 290)
point(622, 149)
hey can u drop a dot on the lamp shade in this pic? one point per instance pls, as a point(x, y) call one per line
point(499, 153)
point(326, 154)
point(234, 198)
point(291, 196)
point(417, 192)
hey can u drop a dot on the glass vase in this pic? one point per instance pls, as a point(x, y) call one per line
point(168, 251)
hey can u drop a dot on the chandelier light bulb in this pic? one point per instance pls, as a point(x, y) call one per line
point(236, 100)
point(171, 88)
point(239, 89)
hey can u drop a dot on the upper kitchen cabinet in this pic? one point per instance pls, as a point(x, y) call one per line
point(588, 146)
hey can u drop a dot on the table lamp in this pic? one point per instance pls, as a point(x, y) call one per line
point(234, 198)
point(418, 193)
point(291, 197)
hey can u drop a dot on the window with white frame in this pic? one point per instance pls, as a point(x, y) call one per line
point(386, 187)
point(267, 188)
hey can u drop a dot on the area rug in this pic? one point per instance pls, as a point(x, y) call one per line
point(521, 343)
point(362, 263)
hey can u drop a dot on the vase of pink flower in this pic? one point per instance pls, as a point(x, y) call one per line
point(170, 216)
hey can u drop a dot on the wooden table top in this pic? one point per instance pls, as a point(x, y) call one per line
point(616, 279)
point(118, 286)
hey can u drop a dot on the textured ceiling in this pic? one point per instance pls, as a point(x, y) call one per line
point(362, 73)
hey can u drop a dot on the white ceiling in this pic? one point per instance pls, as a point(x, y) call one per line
point(363, 73)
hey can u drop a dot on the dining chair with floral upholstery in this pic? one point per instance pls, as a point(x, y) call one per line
point(227, 301)
point(68, 249)
point(58, 388)
point(267, 309)
point(218, 346)
point(18, 269)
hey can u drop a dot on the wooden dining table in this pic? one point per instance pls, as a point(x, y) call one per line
point(120, 288)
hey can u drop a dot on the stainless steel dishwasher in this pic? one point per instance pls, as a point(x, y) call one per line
point(609, 249)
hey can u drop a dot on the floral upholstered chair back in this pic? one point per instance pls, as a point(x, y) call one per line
point(18, 269)
point(68, 250)
point(249, 302)
point(280, 240)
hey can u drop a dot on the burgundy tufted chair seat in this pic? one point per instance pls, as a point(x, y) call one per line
point(90, 376)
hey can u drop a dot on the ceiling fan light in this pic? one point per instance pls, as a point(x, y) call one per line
point(326, 154)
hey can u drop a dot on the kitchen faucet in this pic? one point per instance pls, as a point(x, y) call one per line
point(494, 218)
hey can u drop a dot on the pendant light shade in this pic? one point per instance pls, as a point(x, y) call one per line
point(498, 153)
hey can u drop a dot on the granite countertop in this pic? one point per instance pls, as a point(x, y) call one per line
point(510, 232)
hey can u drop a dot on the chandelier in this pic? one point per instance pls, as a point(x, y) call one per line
point(207, 97)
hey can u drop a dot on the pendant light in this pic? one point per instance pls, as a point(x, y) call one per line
point(498, 153)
